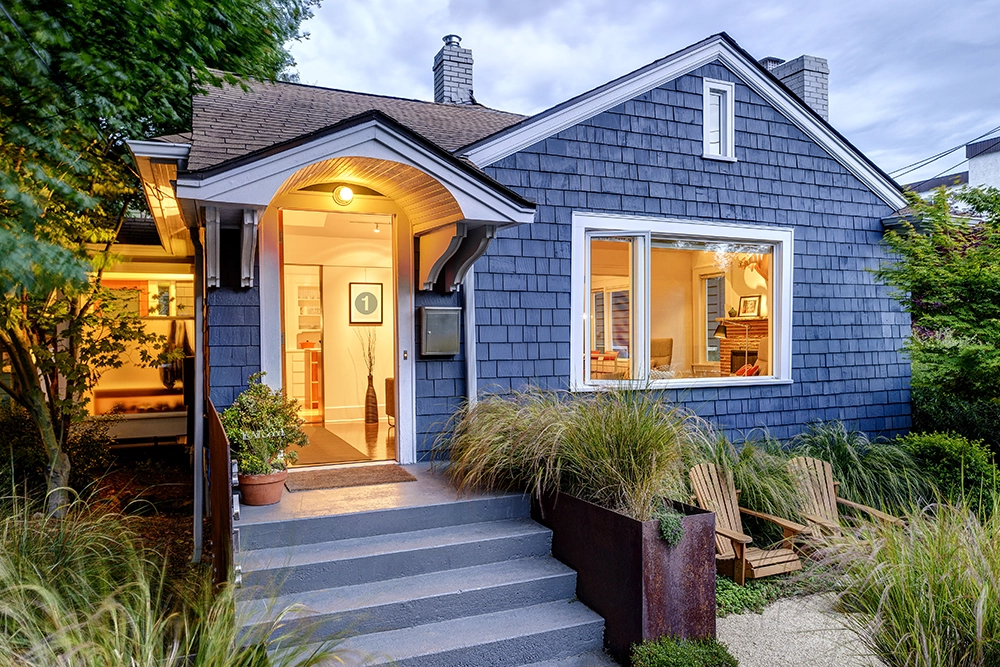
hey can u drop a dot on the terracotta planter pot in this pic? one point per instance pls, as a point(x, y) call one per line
point(262, 489)
point(627, 574)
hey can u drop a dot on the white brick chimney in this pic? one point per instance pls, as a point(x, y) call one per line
point(806, 76)
point(453, 73)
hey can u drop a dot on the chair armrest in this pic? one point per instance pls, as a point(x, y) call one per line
point(821, 521)
point(783, 523)
point(881, 516)
point(733, 535)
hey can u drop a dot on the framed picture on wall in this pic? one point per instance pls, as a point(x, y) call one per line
point(750, 306)
point(366, 303)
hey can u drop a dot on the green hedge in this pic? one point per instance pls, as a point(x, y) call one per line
point(938, 410)
point(960, 468)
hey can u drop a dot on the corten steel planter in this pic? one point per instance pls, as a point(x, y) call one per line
point(627, 574)
point(262, 489)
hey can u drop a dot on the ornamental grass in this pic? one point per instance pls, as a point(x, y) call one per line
point(623, 450)
point(927, 595)
point(81, 590)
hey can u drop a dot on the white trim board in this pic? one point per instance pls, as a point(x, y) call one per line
point(256, 183)
point(159, 150)
point(588, 105)
point(783, 239)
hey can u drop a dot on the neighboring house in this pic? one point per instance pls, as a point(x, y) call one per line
point(692, 227)
point(984, 169)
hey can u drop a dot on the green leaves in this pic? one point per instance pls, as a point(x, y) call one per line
point(76, 80)
point(948, 278)
point(261, 425)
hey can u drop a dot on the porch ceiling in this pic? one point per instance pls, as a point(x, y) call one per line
point(426, 201)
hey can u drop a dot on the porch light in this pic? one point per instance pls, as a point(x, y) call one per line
point(343, 195)
point(720, 331)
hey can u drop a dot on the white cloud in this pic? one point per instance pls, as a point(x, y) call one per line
point(908, 78)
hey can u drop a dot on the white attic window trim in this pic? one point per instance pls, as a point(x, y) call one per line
point(718, 120)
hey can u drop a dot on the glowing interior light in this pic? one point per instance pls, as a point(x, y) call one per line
point(343, 195)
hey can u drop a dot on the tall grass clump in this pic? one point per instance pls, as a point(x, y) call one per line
point(876, 473)
point(627, 450)
point(620, 449)
point(508, 442)
point(81, 590)
point(926, 595)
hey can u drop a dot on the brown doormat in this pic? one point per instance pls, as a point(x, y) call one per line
point(307, 480)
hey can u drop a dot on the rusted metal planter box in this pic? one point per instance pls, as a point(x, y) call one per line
point(628, 575)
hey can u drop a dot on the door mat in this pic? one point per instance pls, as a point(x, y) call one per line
point(307, 480)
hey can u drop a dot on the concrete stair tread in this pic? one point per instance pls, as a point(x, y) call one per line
point(285, 530)
point(434, 640)
point(592, 659)
point(348, 599)
point(364, 547)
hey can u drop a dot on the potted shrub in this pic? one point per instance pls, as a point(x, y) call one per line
point(261, 425)
point(607, 471)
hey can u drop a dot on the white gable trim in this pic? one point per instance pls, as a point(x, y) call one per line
point(548, 124)
point(255, 183)
point(159, 150)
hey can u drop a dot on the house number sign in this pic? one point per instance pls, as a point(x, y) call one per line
point(366, 303)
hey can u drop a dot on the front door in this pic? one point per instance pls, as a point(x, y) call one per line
point(339, 333)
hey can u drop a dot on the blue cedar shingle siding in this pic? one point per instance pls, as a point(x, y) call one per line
point(644, 157)
point(440, 381)
point(233, 341)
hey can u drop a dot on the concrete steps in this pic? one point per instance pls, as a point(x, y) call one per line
point(464, 583)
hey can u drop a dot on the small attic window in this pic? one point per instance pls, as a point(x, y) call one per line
point(718, 120)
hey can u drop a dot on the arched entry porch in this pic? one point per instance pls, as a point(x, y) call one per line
point(438, 212)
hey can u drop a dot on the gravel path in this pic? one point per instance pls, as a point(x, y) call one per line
point(793, 632)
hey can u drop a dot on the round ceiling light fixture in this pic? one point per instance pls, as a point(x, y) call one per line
point(343, 195)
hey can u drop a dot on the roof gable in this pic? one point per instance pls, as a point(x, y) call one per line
point(719, 48)
point(378, 151)
point(229, 122)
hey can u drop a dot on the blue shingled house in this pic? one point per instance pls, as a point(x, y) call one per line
point(695, 226)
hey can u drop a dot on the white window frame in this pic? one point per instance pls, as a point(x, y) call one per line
point(588, 225)
point(727, 116)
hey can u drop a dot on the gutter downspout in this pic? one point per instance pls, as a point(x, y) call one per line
point(471, 370)
point(199, 393)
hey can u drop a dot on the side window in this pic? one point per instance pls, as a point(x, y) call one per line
point(718, 119)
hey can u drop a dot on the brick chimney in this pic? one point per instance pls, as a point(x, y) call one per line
point(806, 76)
point(453, 73)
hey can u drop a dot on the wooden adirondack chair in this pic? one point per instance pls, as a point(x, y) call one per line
point(716, 492)
point(819, 495)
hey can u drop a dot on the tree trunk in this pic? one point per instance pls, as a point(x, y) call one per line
point(59, 464)
point(31, 396)
point(58, 483)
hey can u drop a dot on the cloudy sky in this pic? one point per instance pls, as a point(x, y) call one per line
point(908, 79)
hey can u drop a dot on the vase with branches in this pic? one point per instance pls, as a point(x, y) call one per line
point(368, 340)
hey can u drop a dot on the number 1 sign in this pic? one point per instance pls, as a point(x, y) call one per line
point(366, 303)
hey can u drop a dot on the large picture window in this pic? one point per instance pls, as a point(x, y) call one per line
point(679, 303)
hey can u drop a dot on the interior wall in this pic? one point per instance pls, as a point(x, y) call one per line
point(346, 259)
point(736, 286)
point(671, 308)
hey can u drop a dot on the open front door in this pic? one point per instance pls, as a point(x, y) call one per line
point(339, 323)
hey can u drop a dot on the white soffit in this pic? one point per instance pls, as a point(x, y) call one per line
point(258, 181)
point(548, 124)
